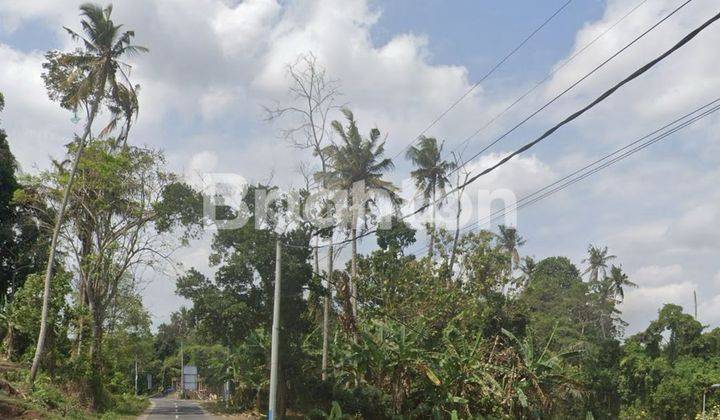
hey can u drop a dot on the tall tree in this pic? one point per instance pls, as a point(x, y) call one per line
point(430, 178)
point(112, 228)
point(462, 176)
point(83, 78)
point(618, 281)
point(22, 242)
point(597, 261)
point(357, 165)
point(8, 185)
point(314, 96)
point(528, 268)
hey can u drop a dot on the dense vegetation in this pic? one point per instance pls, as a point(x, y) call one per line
point(463, 327)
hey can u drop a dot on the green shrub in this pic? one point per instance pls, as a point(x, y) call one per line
point(45, 394)
point(128, 404)
point(364, 400)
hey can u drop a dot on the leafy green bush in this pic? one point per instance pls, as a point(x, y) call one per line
point(364, 400)
point(47, 395)
point(128, 404)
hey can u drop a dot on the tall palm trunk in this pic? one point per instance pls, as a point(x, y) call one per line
point(40, 348)
point(432, 231)
point(326, 314)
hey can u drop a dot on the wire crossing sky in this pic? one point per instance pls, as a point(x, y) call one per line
point(637, 73)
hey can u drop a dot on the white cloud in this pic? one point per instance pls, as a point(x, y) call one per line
point(37, 128)
point(241, 28)
point(15, 13)
point(684, 80)
point(641, 304)
point(656, 275)
point(698, 228)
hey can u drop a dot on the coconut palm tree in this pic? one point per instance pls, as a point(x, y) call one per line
point(357, 165)
point(527, 267)
point(617, 282)
point(124, 108)
point(597, 261)
point(430, 177)
point(84, 78)
point(510, 241)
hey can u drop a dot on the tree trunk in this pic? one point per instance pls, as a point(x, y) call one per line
point(85, 251)
point(10, 341)
point(453, 253)
point(96, 383)
point(81, 319)
point(353, 274)
point(432, 232)
point(40, 348)
point(315, 308)
point(326, 314)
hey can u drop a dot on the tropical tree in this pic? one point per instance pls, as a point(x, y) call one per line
point(83, 79)
point(538, 380)
point(430, 177)
point(461, 178)
point(111, 229)
point(509, 240)
point(618, 281)
point(357, 165)
point(597, 261)
point(313, 97)
point(124, 109)
point(8, 185)
point(528, 268)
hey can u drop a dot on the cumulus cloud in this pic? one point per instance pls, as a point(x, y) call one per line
point(698, 227)
point(36, 127)
point(656, 275)
point(684, 80)
point(641, 304)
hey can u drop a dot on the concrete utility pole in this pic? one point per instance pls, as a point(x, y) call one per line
point(182, 372)
point(326, 315)
point(272, 406)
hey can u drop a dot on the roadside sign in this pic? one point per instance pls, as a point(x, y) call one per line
point(190, 378)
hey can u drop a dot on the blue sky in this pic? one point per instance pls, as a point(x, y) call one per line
point(213, 64)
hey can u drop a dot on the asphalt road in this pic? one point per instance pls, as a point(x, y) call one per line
point(167, 409)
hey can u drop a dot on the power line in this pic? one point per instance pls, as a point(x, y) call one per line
point(519, 99)
point(486, 75)
point(569, 88)
point(609, 159)
point(549, 75)
point(637, 73)
point(578, 175)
